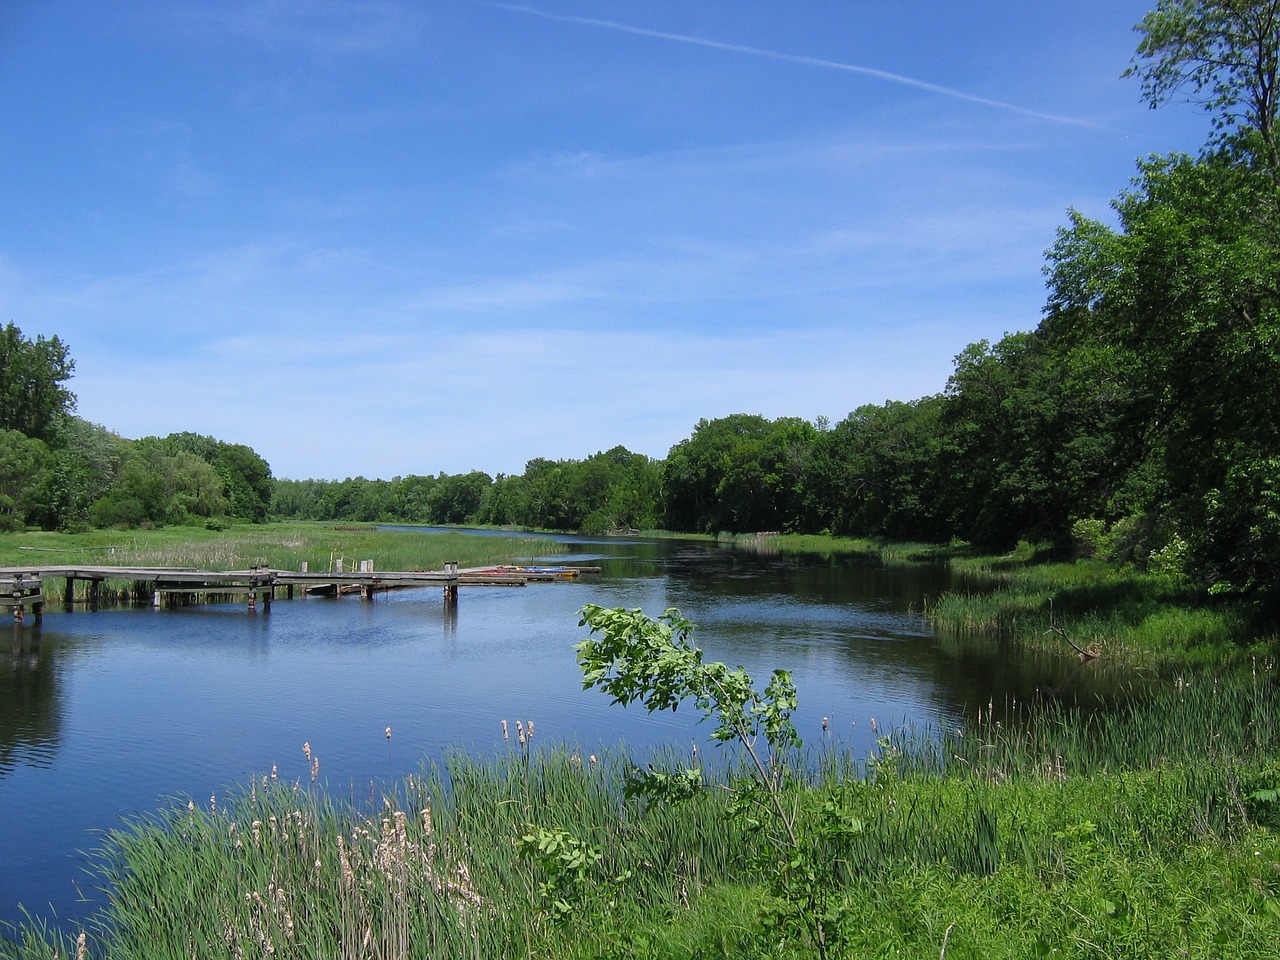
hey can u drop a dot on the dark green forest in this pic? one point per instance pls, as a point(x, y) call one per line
point(1138, 419)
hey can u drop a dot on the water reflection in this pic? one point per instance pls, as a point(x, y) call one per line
point(30, 702)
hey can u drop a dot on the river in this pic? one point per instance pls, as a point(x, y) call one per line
point(111, 713)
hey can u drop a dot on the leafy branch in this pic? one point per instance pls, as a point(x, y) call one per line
point(636, 659)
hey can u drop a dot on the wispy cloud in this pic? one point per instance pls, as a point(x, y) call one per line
point(800, 59)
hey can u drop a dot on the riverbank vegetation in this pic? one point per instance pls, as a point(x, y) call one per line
point(1149, 829)
point(281, 546)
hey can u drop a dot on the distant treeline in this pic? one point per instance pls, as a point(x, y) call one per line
point(615, 490)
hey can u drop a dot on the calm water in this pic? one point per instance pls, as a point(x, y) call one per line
point(106, 714)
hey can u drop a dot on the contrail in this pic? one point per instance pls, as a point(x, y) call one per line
point(790, 58)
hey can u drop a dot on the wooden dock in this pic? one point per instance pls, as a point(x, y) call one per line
point(23, 588)
point(21, 591)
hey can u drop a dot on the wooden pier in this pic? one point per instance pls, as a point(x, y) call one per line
point(21, 591)
point(22, 588)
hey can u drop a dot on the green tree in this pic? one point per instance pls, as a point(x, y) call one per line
point(83, 462)
point(457, 498)
point(876, 472)
point(1223, 54)
point(1034, 441)
point(1183, 300)
point(22, 466)
point(506, 502)
point(33, 399)
point(138, 495)
point(409, 498)
point(246, 477)
point(549, 501)
point(739, 473)
point(195, 488)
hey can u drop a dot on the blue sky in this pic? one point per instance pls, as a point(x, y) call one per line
point(381, 238)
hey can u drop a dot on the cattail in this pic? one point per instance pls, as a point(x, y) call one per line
point(505, 735)
point(592, 758)
point(257, 831)
point(213, 803)
point(530, 729)
point(348, 876)
point(274, 773)
point(306, 749)
point(315, 768)
point(82, 947)
point(388, 733)
point(824, 724)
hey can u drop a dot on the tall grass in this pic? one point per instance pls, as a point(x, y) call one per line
point(1146, 829)
point(1117, 612)
point(279, 545)
point(431, 870)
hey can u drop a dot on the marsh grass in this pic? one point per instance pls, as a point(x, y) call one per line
point(1146, 829)
point(284, 870)
point(282, 546)
point(1137, 618)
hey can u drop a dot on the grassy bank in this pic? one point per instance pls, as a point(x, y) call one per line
point(1145, 831)
point(1106, 609)
point(281, 545)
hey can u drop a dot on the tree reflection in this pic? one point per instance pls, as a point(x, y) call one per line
point(30, 705)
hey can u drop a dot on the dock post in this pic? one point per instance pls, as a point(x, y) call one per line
point(17, 600)
point(451, 589)
point(155, 599)
point(69, 592)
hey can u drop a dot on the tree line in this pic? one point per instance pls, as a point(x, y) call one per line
point(61, 472)
point(1139, 419)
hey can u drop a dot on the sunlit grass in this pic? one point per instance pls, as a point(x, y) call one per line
point(282, 546)
point(1118, 612)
